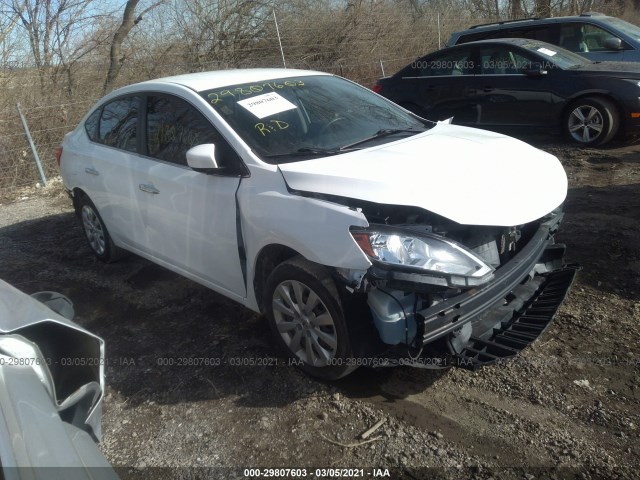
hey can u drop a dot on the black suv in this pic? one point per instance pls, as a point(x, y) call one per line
point(592, 35)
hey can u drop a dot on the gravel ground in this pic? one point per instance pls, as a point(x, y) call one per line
point(568, 407)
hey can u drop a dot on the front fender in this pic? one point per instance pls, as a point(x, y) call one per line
point(316, 229)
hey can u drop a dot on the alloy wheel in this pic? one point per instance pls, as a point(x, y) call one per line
point(93, 229)
point(586, 123)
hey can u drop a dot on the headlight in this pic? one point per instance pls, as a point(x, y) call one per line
point(448, 262)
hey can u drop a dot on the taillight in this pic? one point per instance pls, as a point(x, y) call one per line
point(58, 155)
point(377, 88)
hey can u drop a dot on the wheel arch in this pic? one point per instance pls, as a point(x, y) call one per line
point(267, 259)
point(590, 94)
point(77, 194)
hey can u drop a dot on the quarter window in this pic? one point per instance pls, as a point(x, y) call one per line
point(119, 124)
point(453, 63)
point(91, 125)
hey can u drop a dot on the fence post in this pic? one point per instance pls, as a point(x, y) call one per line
point(33, 147)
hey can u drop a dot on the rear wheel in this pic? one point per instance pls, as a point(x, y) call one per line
point(307, 318)
point(96, 232)
point(591, 121)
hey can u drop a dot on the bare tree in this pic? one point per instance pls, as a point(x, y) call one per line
point(8, 20)
point(221, 31)
point(50, 26)
point(516, 9)
point(543, 8)
point(129, 20)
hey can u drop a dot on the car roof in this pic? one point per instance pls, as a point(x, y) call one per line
point(507, 40)
point(221, 78)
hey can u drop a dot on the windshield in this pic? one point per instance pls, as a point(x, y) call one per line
point(556, 55)
point(625, 27)
point(293, 119)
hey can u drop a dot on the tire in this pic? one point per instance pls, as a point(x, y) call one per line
point(96, 232)
point(307, 318)
point(591, 121)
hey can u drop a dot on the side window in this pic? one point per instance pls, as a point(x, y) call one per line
point(574, 36)
point(595, 37)
point(174, 126)
point(119, 123)
point(453, 63)
point(499, 60)
point(91, 125)
point(541, 33)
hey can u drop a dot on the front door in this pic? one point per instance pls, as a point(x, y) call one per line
point(189, 217)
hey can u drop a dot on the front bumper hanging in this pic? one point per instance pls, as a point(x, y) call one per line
point(524, 327)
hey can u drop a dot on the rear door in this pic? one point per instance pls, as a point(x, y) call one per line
point(114, 133)
point(507, 97)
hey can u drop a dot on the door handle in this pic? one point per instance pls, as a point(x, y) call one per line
point(488, 89)
point(148, 188)
point(91, 171)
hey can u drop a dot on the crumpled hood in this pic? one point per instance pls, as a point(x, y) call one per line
point(470, 176)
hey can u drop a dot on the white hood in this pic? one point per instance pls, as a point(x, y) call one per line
point(470, 176)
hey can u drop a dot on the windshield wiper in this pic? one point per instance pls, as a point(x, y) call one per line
point(385, 132)
point(306, 151)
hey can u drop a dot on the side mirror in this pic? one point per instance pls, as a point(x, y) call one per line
point(202, 158)
point(613, 43)
point(534, 70)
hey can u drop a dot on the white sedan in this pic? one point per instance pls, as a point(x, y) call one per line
point(365, 234)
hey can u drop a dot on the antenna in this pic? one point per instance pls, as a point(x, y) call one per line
point(279, 41)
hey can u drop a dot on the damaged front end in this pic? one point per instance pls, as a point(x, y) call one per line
point(460, 295)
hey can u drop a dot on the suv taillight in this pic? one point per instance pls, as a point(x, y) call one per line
point(377, 88)
point(58, 155)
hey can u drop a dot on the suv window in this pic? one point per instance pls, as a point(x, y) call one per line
point(541, 32)
point(119, 123)
point(174, 126)
point(594, 37)
point(572, 37)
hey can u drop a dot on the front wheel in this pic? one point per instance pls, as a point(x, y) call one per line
point(307, 318)
point(591, 121)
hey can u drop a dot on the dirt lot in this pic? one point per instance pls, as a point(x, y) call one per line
point(567, 407)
